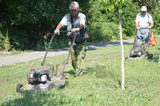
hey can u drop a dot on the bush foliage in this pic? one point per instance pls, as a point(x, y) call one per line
point(103, 31)
point(28, 21)
point(2, 41)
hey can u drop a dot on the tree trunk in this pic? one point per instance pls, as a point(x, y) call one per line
point(121, 42)
point(39, 26)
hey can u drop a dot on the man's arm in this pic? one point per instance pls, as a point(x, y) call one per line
point(136, 24)
point(137, 21)
point(151, 24)
point(80, 26)
point(151, 21)
point(59, 26)
point(82, 22)
point(57, 30)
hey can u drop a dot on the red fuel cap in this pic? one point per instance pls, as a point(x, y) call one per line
point(32, 68)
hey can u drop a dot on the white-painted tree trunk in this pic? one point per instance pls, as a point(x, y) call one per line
point(121, 41)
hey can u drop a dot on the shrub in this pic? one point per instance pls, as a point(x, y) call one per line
point(103, 31)
point(7, 42)
point(156, 19)
point(20, 40)
point(40, 44)
point(2, 41)
point(100, 14)
point(60, 42)
point(130, 10)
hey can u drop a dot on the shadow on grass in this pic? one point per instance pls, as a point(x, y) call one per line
point(129, 44)
point(155, 58)
point(36, 98)
point(71, 72)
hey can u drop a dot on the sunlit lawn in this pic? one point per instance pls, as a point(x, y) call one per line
point(100, 84)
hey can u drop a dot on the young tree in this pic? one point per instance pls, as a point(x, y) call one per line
point(117, 4)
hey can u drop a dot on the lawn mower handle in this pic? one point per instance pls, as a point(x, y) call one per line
point(65, 31)
point(145, 28)
point(53, 35)
point(73, 44)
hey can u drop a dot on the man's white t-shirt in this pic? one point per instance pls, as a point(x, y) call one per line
point(66, 21)
point(143, 20)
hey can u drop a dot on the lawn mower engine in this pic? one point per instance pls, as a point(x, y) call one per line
point(43, 79)
point(137, 51)
point(37, 80)
point(40, 75)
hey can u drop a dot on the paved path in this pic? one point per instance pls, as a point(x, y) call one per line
point(8, 60)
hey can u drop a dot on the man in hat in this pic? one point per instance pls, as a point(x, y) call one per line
point(79, 21)
point(143, 23)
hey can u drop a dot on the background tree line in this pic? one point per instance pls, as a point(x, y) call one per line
point(28, 24)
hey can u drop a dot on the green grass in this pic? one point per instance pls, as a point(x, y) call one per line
point(100, 85)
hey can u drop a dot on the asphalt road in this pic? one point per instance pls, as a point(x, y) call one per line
point(8, 60)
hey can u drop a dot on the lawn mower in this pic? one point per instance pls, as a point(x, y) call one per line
point(139, 50)
point(46, 77)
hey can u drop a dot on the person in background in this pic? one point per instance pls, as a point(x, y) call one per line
point(143, 23)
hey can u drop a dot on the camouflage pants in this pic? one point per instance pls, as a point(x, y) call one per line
point(78, 54)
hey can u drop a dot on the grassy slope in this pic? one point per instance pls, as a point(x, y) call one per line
point(100, 85)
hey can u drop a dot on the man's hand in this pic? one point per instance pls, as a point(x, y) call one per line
point(149, 27)
point(74, 29)
point(57, 31)
point(138, 28)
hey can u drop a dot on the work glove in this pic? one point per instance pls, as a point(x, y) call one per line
point(57, 31)
point(138, 28)
point(149, 27)
point(74, 29)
